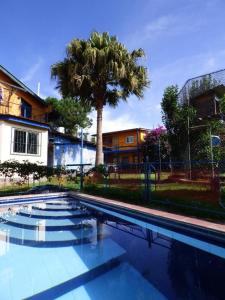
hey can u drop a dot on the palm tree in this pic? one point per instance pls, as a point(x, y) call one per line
point(100, 71)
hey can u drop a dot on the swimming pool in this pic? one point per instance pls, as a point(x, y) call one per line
point(76, 249)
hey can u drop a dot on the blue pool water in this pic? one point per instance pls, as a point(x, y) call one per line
point(67, 249)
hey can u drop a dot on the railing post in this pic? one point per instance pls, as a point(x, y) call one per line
point(147, 188)
point(81, 177)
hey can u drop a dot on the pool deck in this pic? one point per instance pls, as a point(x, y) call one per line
point(154, 212)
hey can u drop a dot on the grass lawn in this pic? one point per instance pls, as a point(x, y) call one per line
point(14, 189)
point(176, 199)
point(163, 176)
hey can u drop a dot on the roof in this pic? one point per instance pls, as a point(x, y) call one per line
point(126, 130)
point(71, 137)
point(21, 85)
point(24, 121)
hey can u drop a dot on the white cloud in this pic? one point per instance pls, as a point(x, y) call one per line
point(112, 123)
point(164, 26)
point(30, 73)
point(211, 62)
point(158, 106)
point(159, 25)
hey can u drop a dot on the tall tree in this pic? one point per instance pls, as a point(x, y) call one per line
point(175, 118)
point(100, 71)
point(68, 113)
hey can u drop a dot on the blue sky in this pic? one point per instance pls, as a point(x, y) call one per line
point(181, 38)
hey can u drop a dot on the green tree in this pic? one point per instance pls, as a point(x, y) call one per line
point(68, 113)
point(100, 71)
point(175, 118)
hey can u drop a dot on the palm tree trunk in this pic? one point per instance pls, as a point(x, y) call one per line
point(99, 148)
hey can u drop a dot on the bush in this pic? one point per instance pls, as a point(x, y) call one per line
point(28, 170)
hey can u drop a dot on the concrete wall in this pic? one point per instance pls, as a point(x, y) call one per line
point(6, 144)
point(68, 152)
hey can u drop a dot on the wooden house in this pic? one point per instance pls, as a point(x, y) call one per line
point(124, 146)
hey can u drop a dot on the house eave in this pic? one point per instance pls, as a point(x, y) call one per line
point(23, 121)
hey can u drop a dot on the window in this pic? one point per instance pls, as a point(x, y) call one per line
point(26, 142)
point(26, 109)
point(129, 139)
point(1, 94)
point(32, 144)
point(19, 141)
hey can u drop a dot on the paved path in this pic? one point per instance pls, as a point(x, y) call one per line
point(159, 213)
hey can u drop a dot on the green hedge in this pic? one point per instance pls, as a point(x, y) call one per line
point(27, 170)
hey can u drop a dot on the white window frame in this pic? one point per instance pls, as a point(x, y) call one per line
point(27, 131)
point(129, 139)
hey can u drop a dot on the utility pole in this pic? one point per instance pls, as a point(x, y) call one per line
point(81, 161)
point(38, 89)
point(211, 150)
point(188, 133)
point(160, 161)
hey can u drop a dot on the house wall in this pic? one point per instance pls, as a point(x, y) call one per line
point(118, 140)
point(6, 144)
point(67, 152)
point(12, 101)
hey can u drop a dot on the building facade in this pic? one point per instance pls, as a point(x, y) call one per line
point(124, 146)
point(23, 127)
point(66, 150)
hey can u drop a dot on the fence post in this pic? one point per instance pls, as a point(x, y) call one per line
point(81, 177)
point(147, 188)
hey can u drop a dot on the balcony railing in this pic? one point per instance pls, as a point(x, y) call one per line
point(197, 86)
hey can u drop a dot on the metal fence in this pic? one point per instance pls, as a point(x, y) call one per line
point(193, 87)
point(171, 181)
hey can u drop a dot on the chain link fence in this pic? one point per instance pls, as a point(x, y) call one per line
point(187, 185)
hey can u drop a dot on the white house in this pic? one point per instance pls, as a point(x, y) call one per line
point(23, 128)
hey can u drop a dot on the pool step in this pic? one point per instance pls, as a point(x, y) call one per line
point(41, 238)
point(55, 208)
point(38, 214)
point(39, 270)
point(47, 225)
point(62, 203)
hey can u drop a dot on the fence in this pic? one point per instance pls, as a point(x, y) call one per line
point(184, 185)
point(195, 184)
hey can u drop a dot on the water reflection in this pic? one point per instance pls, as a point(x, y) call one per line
point(178, 270)
point(195, 274)
point(4, 242)
point(40, 230)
